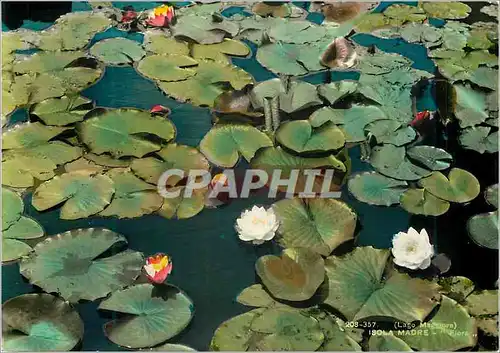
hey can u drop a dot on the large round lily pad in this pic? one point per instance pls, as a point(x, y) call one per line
point(296, 275)
point(220, 51)
point(376, 189)
point(152, 315)
point(471, 106)
point(224, 144)
point(479, 139)
point(460, 186)
point(82, 193)
point(167, 67)
point(117, 51)
point(318, 224)
point(483, 229)
point(63, 110)
point(124, 131)
point(29, 135)
point(40, 323)
point(359, 288)
point(391, 161)
point(420, 201)
point(69, 264)
point(447, 10)
point(431, 157)
point(158, 42)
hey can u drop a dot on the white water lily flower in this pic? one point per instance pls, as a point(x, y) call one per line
point(257, 225)
point(412, 250)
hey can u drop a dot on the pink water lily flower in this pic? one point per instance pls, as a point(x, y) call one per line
point(161, 16)
point(158, 267)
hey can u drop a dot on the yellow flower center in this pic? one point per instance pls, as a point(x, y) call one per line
point(411, 248)
point(158, 266)
point(162, 10)
point(257, 220)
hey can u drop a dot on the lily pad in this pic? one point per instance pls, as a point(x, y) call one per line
point(62, 111)
point(274, 10)
point(69, 264)
point(45, 62)
point(152, 315)
point(421, 202)
point(457, 287)
point(391, 161)
point(167, 67)
point(40, 322)
point(460, 186)
point(431, 157)
point(359, 289)
point(318, 224)
point(422, 33)
point(158, 42)
point(123, 131)
point(391, 132)
point(204, 29)
point(84, 165)
point(335, 91)
point(387, 343)
point(82, 193)
point(255, 296)
point(370, 22)
point(300, 95)
point(107, 161)
point(482, 303)
point(490, 10)
point(224, 144)
point(297, 32)
point(338, 337)
point(117, 51)
point(352, 120)
point(173, 156)
point(29, 135)
point(12, 246)
point(376, 189)
point(485, 77)
point(203, 88)
point(447, 10)
point(470, 107)
point(181, 207)
point(12, 207)
point(301, 137)
point(450, 329)
point(479, 139)
point(483, 229)
point(171, 347)
point(220, 51)
point(491, 195)
point(133, 197)
point(296, 275)
point(402, 13)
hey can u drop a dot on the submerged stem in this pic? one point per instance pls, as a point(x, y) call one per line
point(268, 113)
point(275, 112)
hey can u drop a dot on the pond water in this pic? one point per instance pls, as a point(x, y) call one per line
point(210, 263)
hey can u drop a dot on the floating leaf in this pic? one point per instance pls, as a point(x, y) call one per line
point(335, 91)
point(300, 95)
point(62, 111)
point(387, 343)
point(69, 264)
point(457, 287)
point(255, 296)
point(219, 51)
point(479, 139)
point(420, 201)
point(120, 131)
point(297, 32)
point(341, 12)
point(352, 120)
point(450, 329)
point(153, 314)
point(158, 42)
point(24, 228)
point(479, 39)
point(490, 10)
point(106, 160)
point(205, 86)
point(300, 136)
point(491, 195)
point(40, 322)
point(133, 197)
point(402, 13)
point(296, 275)
point(460, 186)
point(470, 107)
point(170, 347)
point(269, 9)
point(12, 207)
point(485, 77)
point(29, 135)
point(83, 194)
point(375, 189)
point(447, 10)
point(204, 29)
point(42, 62)
point(182, 207)
point(359, 290)
point(422, 33)
point(224, 144)
point(431, 157)
point(370, 22)
point(84, 165)
point(482, 303)
point(483, 229)
point(167, 67)
point(117, 51)
point(173, 157)
point(391, 161)
point(338, 337)
point(318, 224)
point(392, 132)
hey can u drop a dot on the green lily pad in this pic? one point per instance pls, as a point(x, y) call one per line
point(255, 296)
point(352, 120)
point(24, 228)
point(457, 287)
point(318, 224)
point(204, 29)
point(376, 189)
point(62, 111)
point(424, 33)
point(220, 51)
point(153, 314)
point(296, 275)
point(338, 337)
point(118, 131)
point(490, 10)
point(83, 165)
point(133, 197)
point(391, 132)
point(420, 201)
point(117, 51)
point(391, 161)
point(224, 144)
point(29, 135)
point(42, 62)
point(297, 32)
point(449, 330)
point(335, 91)
point(488, 325)
point(167, 67)
point(12, 207)
point(69, 264)
point(491, 195)
point(107, 161)
point(485, 77)
point(21, 167)
point(382, 63)
point(402, 13)
point(300, 95)
point(447, 10)
point(82, 193)
point(479, 139)
point(274, 10)
point(483, 229)
point(170, 347)
point(370, 22)
point(181, 207)
point(300, 137)
point(40, 322)
point(158, 42)
point(431, 157)
point(200, 9)
point(470, 107)
point(359, 289)
point(479, 39)
point(460, 186)
point(173, 156)
point(482, 303)
point(387, 343)
point(203, 88)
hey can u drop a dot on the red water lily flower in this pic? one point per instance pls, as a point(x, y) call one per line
point(161, 16)
point(158, 267)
